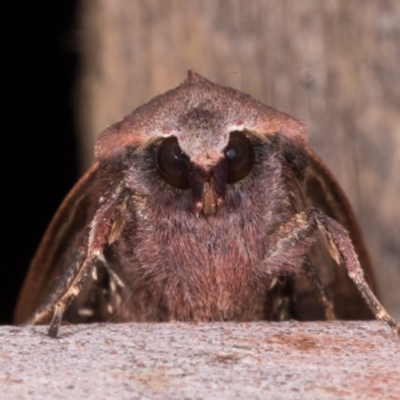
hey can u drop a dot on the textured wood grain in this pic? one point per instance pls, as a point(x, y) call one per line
point(332, 64)
point(345, 360)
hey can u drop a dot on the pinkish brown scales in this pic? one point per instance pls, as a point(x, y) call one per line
point(174, 260)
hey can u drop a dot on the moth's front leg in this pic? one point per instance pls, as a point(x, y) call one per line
point(104, 229)
point(95, 254)
point(289, 245)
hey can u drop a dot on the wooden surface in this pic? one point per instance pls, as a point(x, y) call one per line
point(332, 64)
point(290, 360)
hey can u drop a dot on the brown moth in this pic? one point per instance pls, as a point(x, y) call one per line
point(203, 205)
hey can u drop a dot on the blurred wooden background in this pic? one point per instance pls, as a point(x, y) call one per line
point(333, 64)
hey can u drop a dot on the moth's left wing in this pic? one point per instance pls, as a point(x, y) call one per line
point(57, 242)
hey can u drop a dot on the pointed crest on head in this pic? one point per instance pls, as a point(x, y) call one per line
point(201, 115)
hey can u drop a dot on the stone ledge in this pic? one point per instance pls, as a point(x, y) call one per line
point(288, 360)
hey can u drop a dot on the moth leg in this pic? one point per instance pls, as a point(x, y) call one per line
point(290, 243)
point(324, 297)
point(72, 292)
point(45, 310)
point(341, 249)
point(101, 227)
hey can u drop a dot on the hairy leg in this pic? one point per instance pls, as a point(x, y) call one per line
point(289, 244)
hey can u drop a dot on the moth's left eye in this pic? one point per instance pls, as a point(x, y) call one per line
point(239, 155)
point(172, 162)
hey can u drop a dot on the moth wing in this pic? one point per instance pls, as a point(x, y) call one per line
point(48, 261)
point(320, 189)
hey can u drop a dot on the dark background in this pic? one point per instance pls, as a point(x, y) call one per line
point(39, 64)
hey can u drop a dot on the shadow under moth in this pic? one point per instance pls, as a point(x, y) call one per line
point(202, 205)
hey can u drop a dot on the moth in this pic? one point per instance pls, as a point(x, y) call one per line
point(202, 205)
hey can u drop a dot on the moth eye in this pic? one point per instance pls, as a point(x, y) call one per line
point(239, 155)
point(172, 162)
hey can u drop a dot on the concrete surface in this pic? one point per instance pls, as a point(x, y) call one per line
point(288, 360)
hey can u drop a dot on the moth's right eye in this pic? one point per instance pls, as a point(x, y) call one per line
point(172, 163)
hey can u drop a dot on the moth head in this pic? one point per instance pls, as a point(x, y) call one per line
point(203, 136)
point(207, 170)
